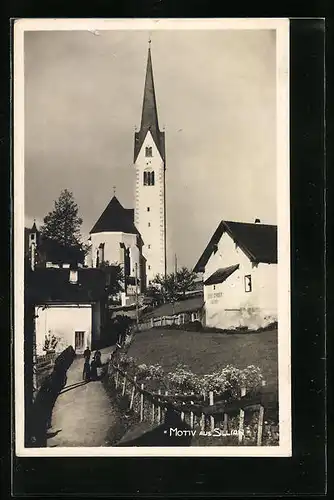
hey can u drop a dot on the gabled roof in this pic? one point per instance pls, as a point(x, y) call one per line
point(46, 285)
point(149, 118)
point(116, 218)
point(221, 275)
point(258, 242)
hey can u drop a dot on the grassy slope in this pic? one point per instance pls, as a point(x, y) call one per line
point(207, 352)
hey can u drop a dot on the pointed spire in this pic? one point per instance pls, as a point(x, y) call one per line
point(34, 228)
point(149, 118)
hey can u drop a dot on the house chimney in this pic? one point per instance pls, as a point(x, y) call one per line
point(257, 221)
point(73, 276)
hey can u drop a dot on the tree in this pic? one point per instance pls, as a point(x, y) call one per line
point(115, 278)
point(174, 286)
point(62, 225)
point(185, 280)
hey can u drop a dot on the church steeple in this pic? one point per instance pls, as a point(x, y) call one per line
point(149, 118)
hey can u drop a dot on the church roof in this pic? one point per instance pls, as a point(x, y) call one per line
point(149, 118)
point(258, 242)
point(116, 218)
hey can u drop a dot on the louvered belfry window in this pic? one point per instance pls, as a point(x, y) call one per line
point(149, 179)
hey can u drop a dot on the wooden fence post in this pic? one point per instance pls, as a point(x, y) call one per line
point(225, 426)
point(241, 418)
point(260, 426)
point(153, 412)
point(124, 384)
point(159, 408)
point(202, 421)
point(212, 418)
point(182, 412)
point(192, 416)
point(166, 394)
point(141, 403)
point(133, 392)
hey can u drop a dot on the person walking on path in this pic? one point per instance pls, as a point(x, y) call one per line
point(87, 353)
point(86, 371)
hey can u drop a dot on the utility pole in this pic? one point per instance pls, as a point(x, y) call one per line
point(137, 309)
point(175, 265)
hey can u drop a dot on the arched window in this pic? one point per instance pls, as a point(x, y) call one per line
point(149, 179)
point(148, 152)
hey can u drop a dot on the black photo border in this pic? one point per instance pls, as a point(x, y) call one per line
point(305, 472)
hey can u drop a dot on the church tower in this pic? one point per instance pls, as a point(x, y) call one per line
point(150, 201)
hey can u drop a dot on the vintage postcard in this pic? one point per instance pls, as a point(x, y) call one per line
point(151, 237)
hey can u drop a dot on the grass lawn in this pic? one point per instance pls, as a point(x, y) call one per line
point(208, 352)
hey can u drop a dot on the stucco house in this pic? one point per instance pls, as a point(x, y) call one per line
point(70, 304)
point(239, 267)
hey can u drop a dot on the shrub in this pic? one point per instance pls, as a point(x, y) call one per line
point(184, 379)
point(228, 380)
point(151, 372)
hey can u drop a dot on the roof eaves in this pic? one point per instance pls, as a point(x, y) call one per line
point(243, 247)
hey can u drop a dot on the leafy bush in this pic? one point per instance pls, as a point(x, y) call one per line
point(229, 379)
point(184, 379)
point(151, 372)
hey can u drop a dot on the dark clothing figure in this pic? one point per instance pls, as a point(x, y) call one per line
point(86, 371)
point(97, 359)
point(87, 353)
point(93, 370)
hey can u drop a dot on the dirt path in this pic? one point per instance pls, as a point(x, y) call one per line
point(82, 414)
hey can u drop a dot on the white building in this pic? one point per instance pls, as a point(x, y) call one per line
point(70, 305)
point(149, 160)
point(115, 239)
point(239, 267)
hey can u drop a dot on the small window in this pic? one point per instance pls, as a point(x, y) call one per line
point(149, 267)
point(248, 283)
point(149, 224)
point(148, 246)
point(214, 287)
point(32, 237)
point(148, 152)
point(148, 209)
point(73, 276)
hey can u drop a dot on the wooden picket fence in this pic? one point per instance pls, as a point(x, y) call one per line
point(194, 409)
point(176, 319)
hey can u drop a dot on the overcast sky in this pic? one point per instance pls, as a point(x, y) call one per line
point(216, 99)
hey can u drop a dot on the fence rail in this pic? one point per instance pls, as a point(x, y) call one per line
point(176, 319)
point(208, 411)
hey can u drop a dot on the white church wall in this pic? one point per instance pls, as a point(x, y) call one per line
point(112, 250)
point(228, 304)
point(149, 208)
point(134, 259)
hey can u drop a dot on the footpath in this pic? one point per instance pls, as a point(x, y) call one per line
point(83, 413)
